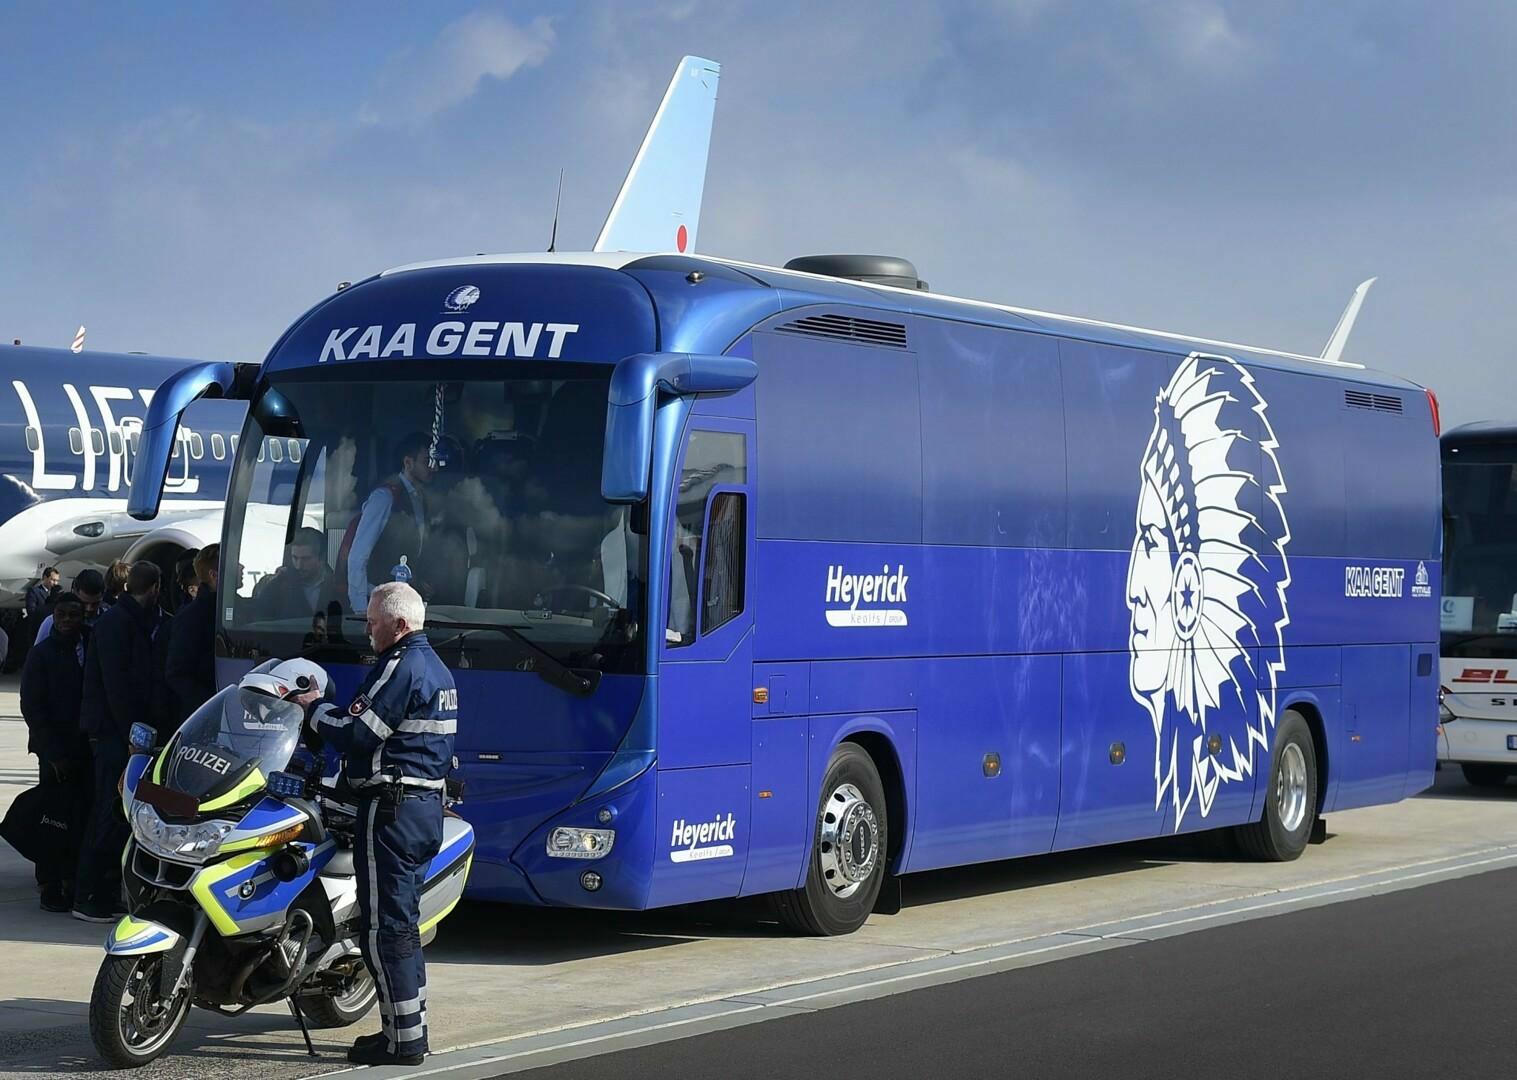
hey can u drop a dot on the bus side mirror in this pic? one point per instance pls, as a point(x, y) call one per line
point(633, 402)
point(155, 447)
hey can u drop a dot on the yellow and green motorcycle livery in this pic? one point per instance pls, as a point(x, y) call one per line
point(239, 876)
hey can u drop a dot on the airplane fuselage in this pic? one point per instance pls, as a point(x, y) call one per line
point(69, 424)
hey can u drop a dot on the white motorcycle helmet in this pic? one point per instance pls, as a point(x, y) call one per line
point(286, 678)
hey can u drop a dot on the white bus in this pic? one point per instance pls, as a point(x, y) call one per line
point(1478, 686)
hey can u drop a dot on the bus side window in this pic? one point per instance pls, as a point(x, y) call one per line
point(712, 459)
point(723, 572)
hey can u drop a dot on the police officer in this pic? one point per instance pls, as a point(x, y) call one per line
point(397, 736)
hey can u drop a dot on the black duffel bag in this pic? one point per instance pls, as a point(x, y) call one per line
point(45, 824)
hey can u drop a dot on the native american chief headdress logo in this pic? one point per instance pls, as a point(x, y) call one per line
point(1207, 581)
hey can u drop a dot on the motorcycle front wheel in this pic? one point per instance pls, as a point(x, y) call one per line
point(130, 1022)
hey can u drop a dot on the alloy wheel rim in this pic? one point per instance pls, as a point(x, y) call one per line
point(360, 988)
point(1291, 787)
point(147, 1022)
point(850, 841)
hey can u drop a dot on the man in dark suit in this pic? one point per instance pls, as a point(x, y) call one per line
point(123, 683)
point(36, 604)
point(52, 684)
point(305, 584)
point(190, 669)
point(38, 594)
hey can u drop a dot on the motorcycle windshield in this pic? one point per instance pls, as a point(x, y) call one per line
point(234, 740)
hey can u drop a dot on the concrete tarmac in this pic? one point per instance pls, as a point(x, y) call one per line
point(500, 973)
point(1412, 984)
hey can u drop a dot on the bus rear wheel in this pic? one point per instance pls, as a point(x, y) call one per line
point(1290, 805)
point(848, 850)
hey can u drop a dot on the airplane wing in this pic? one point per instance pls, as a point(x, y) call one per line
point(659, 205)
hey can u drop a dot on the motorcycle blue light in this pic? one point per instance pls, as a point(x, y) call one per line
point(285, 785)
point(142, 737)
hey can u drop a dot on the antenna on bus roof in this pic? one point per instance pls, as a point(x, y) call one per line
point(1333, 352)
point(659, 205)
point(557, 202)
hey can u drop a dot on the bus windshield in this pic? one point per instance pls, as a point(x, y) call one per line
point(1480, 551)
point(483, 493)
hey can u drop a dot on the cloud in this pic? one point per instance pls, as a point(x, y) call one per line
point(1012, 14)
point(1200, 35)
point(481, 45)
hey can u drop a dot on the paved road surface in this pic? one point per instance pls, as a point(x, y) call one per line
point(1412, 984)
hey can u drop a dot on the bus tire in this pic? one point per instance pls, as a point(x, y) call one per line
point(1485, 776)
point(1290, 803)
point(848, 850)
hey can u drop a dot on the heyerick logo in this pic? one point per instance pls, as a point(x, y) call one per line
point(706, 840)
point(1207, 581)
point(845, 592)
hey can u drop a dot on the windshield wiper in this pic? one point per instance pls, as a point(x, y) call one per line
point(549, 668)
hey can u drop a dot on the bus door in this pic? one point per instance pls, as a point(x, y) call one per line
point(705, 680)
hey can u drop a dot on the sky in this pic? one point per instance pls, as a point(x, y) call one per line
point(189, 179)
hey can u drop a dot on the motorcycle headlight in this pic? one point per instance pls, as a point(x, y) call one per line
point(195, 842)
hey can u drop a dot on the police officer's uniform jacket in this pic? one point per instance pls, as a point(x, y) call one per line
point(397, 736)
point(401, 723)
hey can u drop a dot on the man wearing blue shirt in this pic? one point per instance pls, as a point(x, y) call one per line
point(392, 523)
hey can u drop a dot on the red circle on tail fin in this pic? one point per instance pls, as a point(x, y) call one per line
point(681, 238)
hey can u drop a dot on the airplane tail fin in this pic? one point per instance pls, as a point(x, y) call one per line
point(659, 205)
point(1333, 352)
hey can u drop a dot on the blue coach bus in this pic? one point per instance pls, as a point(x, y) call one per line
point(792, 581)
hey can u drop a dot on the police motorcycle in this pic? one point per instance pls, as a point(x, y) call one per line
point(239, 875)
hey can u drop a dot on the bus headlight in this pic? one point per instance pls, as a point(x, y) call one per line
point(565, 843)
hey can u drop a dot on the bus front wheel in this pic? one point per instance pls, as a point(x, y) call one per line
point(1290, 806)
point(848, 850)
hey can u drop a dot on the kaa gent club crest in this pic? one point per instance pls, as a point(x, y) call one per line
point(1206, 582)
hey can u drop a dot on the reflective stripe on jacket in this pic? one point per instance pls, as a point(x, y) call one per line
point(402, 721)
